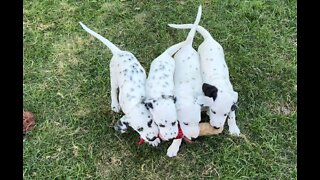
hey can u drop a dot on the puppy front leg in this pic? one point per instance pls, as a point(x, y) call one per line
point(174, 148)
point(121, 125)
point(114, 93)
point(233, 128)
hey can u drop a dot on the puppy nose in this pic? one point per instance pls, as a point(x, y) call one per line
point(152, 139)
point(216, 127)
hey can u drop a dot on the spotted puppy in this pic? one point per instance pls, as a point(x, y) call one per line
point(159, 93)
point(218, 90)
point(187, 81)
point(127, 75)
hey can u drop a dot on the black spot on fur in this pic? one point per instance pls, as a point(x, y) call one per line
point(161, 125)
point(125, 123)
point(209, 90)
point(185, 123)
point(174, 123)
point(141, 70)
point(149, 105)
point(140, 129)
point(174, 99)
point(120, 123)
point(130, 78)
point(234, 107)
point(150, 123)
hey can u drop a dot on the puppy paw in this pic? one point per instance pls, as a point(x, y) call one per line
point(172, 151)
point(115, 107)
point(155, 143)
point(234, 130)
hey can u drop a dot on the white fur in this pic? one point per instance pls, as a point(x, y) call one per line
point(215, 72)
point(159, 93)
point(127, 74)
point(187, 80)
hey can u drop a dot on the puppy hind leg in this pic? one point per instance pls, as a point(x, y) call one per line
point(233, 128)
point(114, 94)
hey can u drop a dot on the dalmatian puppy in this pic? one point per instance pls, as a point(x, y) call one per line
point(187, 81)
point(127, 75)
point(218, 90)
point(159, 93)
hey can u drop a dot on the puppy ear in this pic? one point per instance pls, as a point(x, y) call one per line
point(149, 105)
point(204, 101)
point(209, 90)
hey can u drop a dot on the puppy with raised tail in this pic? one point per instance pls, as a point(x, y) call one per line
point(159, 93)
point(128, 76)
point(187, 81)
point(219, 94)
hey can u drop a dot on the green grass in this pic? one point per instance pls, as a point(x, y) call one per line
point(66, 84)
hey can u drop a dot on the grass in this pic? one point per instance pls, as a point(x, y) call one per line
point(66, 84)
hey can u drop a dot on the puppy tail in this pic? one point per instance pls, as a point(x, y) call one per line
point(114, 49)
point(204, 33)
point(174, 48)
point(194, 28)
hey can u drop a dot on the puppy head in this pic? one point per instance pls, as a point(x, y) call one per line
point(189, 115)
point(165, 116)
point(220, 102)
point(141, 121)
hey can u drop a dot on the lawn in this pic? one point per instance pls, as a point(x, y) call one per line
point(66, 84)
